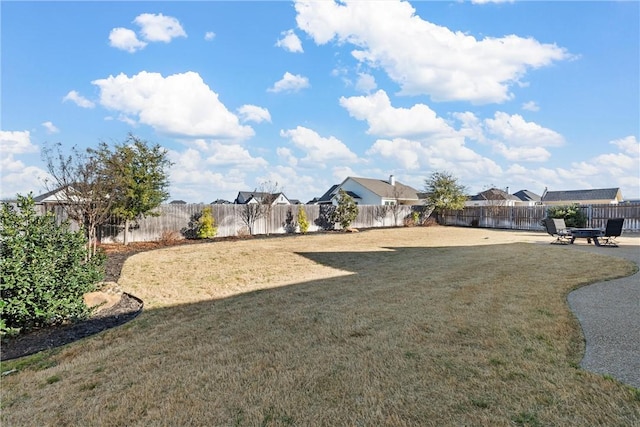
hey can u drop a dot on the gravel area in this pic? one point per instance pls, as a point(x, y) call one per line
point(609, 313)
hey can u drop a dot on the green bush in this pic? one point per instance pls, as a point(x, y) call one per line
point(303, 222)
point(206, 224)
point(346, 212)
point(44, 269)
point(573, 216)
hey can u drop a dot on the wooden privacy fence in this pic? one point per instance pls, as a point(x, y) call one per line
point(529, 217)
point(178, 220)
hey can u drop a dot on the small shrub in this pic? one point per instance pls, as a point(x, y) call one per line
point(206, 224)
point(346, 212)
point(45, 269)
point(573, 216)
point(303, 222)
point(169, 237)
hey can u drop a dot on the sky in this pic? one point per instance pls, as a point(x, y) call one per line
point(300, 95)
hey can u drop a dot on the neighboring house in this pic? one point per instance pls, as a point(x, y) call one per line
point(177, 202)
point(597, 196)
point(247, 197)
point(368, 191)
point(220, 202)
point(492, 197)
point(497, 197)
point(527, 198)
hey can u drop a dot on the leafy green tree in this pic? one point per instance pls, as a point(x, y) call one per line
point(346, 212)
point(206, 224)
point(303, 222)
point(444, 192)
point(44, 269)
point(140, 173)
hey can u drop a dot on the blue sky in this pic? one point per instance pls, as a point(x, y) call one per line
point(525, 95)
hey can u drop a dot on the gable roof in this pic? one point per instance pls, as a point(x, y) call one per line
point(326, 197)
point(57, 195)
point(527, 196)
point(494, 194)
point(245, 197)
point(385, 190)
point(578, 195)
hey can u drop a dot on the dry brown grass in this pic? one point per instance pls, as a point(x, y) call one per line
point(417, 326)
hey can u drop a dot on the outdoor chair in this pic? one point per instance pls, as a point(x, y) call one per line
point(558, 229)
point(612, 230)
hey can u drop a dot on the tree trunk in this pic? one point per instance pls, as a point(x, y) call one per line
point(126, 232)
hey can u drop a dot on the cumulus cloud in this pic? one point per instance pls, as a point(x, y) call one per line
point(180, 104)
point(209, 35)
point(290, 42)
point(153, 28)
point(530, 106)
point(253, 113)
point(16, 142)
point(290, 83)
point(318, 150)
point(78, 99)
point(385, 120)
point(16, 177)
point(422, 57)
point(125, 39)
point(159, 28)
point(50, 127)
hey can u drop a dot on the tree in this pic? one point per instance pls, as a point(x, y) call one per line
point(139, 172)
point(303, 222)
point(44, 268)
point(84, 187)
point(206, 224)
point(346, 212)
point(573, 216)
point(444, 192)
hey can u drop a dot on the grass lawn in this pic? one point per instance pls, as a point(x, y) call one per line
point(411, 326)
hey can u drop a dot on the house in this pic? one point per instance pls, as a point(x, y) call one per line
point(220, 202)
point(177, 202)
point(527, 198)
point(247, 197)
point(596, 196)
point(492, 197)
point(369, 191)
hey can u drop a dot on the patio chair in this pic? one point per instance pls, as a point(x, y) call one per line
point(611, 231)
point(557, 228)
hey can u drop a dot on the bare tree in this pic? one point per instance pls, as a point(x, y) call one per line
point(83, 186)
point(250, 213)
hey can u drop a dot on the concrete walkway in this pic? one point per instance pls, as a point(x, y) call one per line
point(609, 313)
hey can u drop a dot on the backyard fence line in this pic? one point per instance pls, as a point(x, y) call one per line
point(176, 221)
point(529, 217)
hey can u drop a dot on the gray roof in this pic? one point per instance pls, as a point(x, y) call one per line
point(382, 188)
point(577, 195)
point(527, 196)
point(494, 194)
point(326, 197)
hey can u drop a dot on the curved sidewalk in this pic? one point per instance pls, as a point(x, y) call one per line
point(609, 313)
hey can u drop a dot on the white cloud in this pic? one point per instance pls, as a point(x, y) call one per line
point(50, 127)
point(179, 104)
point(290, 83)
point(253, 113)
point(385, 120)
point(629, 145)
point(16, 177)
point(515, 131)
point(318, 150)
point(78, 99)
point(233, 155)
point(531, 106)
point(209, 35)
point(125, 39)
point(159, 28)
point(16, 142)
point(290, 42)
point(424, 58)
point(366, 83)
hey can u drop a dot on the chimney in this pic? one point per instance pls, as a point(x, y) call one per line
point(392, 180)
